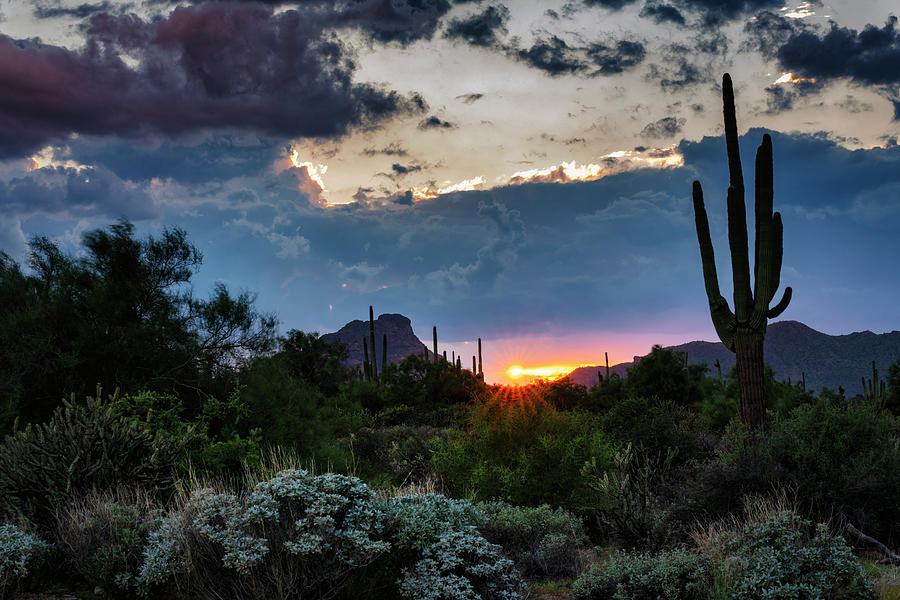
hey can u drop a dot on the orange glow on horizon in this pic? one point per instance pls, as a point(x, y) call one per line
point(550, 373)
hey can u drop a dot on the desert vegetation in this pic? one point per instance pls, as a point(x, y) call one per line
point(236, 463)
point(161, 445)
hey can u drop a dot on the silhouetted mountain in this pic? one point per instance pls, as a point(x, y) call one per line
point(792, 349)
point(401, 340)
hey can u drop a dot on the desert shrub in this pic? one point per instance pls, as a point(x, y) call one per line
point(103, 537)
point(294, 535)
point(786, 557)
point(673, 574)
point(839, 457)
point(655, 425)
point(19, 554)
point(461, 565)
point(526, 457)
point(541, 540)
point(636, 497)
point(401, 452)
point(83, 447)
point(441, 555)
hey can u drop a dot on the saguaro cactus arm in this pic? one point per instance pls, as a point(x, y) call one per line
point(722, 317)
point(751, 307)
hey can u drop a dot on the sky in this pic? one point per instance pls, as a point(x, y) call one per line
point(518, 171)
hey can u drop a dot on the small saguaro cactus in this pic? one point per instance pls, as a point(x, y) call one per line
point(744, 330)
point(374, 364)
point(480, 371)
point(367, 369)
point(434, 335)
point(875, 390)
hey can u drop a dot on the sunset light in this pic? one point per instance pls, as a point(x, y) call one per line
point(549, 372)
point(315, 172)
point(789, 78)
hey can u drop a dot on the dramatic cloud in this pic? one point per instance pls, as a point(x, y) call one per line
point(677, 73)
point(43, 11)
point(76, 193)
point(553, 56)
point(207, 67)
point(480, 29)
point(401, 21)
point(610, 4)
point(616, 58)
point(434, 122)
point(662, 13)
point(870, 56)
point(394, 149)
point(470, 98)
point(665, 127)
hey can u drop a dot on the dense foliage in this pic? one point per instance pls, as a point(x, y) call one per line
point(196, 476)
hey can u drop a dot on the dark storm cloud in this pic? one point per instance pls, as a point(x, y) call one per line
point(717, 10)
point(555, 57)
point(768, 31)
point(552, 56)
point(781, 97)
point(45, 11)
point(394, 149)
point(214, 66)
point(401, 21)
point(616, 58)
point(75, 193)
point(384, 21)
point(677, 73)
point(400, 170)
point(713, 11)
point(870, 56)
point(480, 29)
point(665, 127)
point(610, 4)
point(470, 98)
point(662, 13)
point(434, 122)
point(208, 161)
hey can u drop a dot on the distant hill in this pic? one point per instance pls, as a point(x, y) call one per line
point(792, 348)
point(401, 340)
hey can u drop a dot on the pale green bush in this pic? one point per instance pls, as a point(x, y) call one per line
point(19, 554)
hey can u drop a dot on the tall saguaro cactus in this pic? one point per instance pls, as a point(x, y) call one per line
point(744, 330)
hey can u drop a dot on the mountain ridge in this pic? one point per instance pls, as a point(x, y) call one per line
point(792, 349)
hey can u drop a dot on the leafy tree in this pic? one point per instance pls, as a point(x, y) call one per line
point(122, 315)
point(666, 375)
point(309, 357)
point(892, 401)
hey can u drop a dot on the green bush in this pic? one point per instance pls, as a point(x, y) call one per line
point(442, 556)
point(542, 541)
point(400, 452)
point(636, 497)
point(103, 537)
point(655, 425)
point(83, 447)
point(20, 552)
point(837, 457)
point(527, 457)
point(787, 558)
point(672, 574)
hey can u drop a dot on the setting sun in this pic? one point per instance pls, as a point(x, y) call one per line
point(551, 372)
